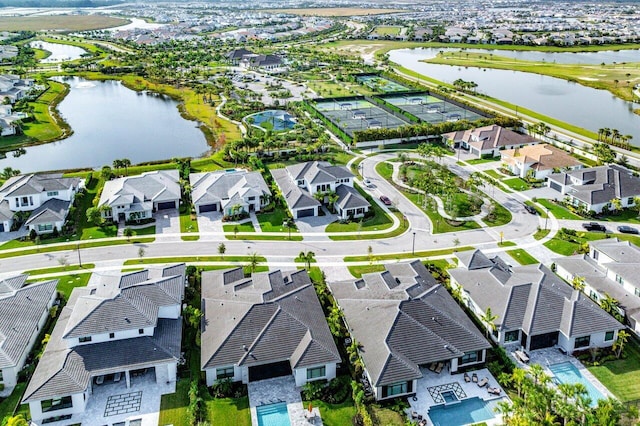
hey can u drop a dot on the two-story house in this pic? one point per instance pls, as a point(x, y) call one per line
point(302, 185)
point(138, 197)
point(118, 332)
point(229, 191)
point(47, 196)
point(488, 140)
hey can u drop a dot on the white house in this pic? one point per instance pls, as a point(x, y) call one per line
point(45, 195)
point(13, 87)
point(404, 321)
point(138, 197)
point(488, 140)
point(537, 161)
point(269, 325)
point(23, 313)
point(223, 191)
point(301, 183)
point(117, 332)
point(594, 188)
point(533, 307)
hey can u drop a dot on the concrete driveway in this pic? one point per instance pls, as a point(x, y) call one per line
point(168, 224)
point(208, 223)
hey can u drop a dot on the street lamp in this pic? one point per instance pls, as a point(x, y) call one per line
point(413, 245)
point(79, 258)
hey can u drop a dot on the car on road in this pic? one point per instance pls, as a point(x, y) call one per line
point(627, 229)
point(530, 209)
point(367, 183)
point(594, 226)
point(385, 200)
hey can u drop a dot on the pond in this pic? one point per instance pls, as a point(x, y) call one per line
point(59, 52)
point(570, 102)
point(109, 122)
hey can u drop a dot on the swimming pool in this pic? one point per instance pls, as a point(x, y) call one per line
point(566, 372)
point(471, 410)
point(275, 119)
point(273, 415)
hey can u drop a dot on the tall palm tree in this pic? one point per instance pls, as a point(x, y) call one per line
point(307, 257)
point(254, 261)
point(620, 342)
point(578, 283)
point(488, 318)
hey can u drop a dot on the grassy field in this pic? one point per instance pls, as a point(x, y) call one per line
point(242, 227)
point(522, 257)
point(334, 11)
point(619, 79)
point(428, 253)
point(274, 221)
point(568, 248)
point(557, 210)
point(358, 270)
point(622, 377)
point(188, 225)
point(387, 30)
point(59, 22)
point(68, 282)
point(517, 184)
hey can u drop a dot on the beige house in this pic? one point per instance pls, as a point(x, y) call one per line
point(488, 140)
point(538, 160)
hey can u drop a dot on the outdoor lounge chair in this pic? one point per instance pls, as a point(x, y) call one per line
point(467, 378)
point(494, 391)
point(439, 367)
point(474, 378)
point(483, 382)
point(432, 366)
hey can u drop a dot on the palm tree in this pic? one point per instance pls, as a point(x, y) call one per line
point(307, 258)
point(616, 205)
point(620, 342)
point(488, 318)
point(578, 283)
point(126, 163)
point(254, 261)
point(609, 305)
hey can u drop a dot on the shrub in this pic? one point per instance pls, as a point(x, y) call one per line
point(313, 390)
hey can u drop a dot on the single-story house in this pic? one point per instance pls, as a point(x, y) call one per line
point(138, 197)
point(268, 325)
point(488, 140)
point(49, 216)
point(23, 313)
point(533, 307)
point(537, 161)
point(609, 269)
point(119, 329)
point(404, 321)
point(595, 187)
point(223, 191)
point(304, 183)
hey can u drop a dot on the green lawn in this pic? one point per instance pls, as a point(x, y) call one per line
point(540, 211)
point(568, 248)
point(173, 407)
point(358, 270)
point(557, 210)
point(523, 257)
point(501, 216)
point(385, 416)
point(517, 184)
point(429, 253)
point(335, 414)
point(67, 283)
point(482, 160)
point(188, 224)
point(494, 174)
point(404, 225)
point(242, 227)
point(56, 269)
point(622, 377)
point(8, 405)
point(387, 30)
point(274, 221)
point(541, 234)
point(385, 170)
point(507, 244)
point(189, 259)
point(228, 411)
point(627, 215)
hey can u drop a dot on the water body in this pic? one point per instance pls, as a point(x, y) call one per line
point(137, 23)
point(592, 58)
point(570, 102)
point(59, 52)
point(109, 122)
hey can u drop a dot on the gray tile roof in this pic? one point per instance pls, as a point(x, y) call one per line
point(403, 319)
point(619, 251)
point(601, 184)
point(350, 198)
point(489, 137)
point(53, 210)
point(532, 298)
point(296, 197)
point(20, 311)
point(156, 186)
point(5, 212)
point(214, 187)
point(266, 318)
point(65, 371)
point(35, 184)
point(318, 172)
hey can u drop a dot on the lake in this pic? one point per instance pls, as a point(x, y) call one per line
point(59, 52)
point(570, 102)
point(109, 122)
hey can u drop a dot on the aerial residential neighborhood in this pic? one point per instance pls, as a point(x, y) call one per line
point(319, 213)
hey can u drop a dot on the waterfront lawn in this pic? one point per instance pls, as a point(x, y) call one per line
point(274, 221)
point(621, 376)
point(522, 257)
point(560, 212)
point(517, 184)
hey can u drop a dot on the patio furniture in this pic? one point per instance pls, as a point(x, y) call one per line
point(117, 377)
point(474, 378)
point(432, 366)
point(494, 391)
point(99, 380)
point(483, 382)
point(467, 378)
point(522, 356)
point(439, 367)
point(423, 422)
point(414, 415)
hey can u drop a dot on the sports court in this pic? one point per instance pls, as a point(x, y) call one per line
point(431, 109)
point(381, 84)
point(357, 114)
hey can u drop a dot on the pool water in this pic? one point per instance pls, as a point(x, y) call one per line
point(566, 372)
point(449, 397)
point(468, 411)
point(273, 415)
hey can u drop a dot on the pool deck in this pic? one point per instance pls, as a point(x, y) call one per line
point(549, 356)
point(281, 389)
point(431, 384)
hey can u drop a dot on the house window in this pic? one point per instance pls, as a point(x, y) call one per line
point(56, 404)
point(1, 377)
point(630, 201)
point(593, 295)
point(112, 335)
point(224, 373)
point(595, 255)
point(45, 227)
point(84, 339)
point(52, 193)
point(396, 389)
point(470, 357)
point(636, 291)
point(141, 331)
point(608, 336)
point(315, 373)
point(582, 342)
point(619, 279)
point(512, 336)
point(25, 201)
point(252, 198)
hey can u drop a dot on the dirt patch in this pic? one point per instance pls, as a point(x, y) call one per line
point(335, 11)
point(59, 23)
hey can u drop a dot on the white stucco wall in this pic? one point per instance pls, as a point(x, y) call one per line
point(78, 401)
point(300, 374)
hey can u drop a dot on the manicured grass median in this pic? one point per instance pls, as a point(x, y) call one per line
point(430, 253)
point(191, 259)
point(57, 269)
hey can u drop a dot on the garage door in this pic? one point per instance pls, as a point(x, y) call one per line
point(167, 205)
point(269, 371)
point(306, 213)
point(556, 186)
point(208, 208)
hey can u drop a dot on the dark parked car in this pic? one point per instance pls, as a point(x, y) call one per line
point(594, 226)
point(385, 200)
point(530, 209)
point(627, 229)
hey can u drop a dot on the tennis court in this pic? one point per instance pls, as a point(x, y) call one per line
point(359, 114)
point(430, 108)
point(381, 84)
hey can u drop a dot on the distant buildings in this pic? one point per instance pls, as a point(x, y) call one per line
point(14, 88)
point(247, 59)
